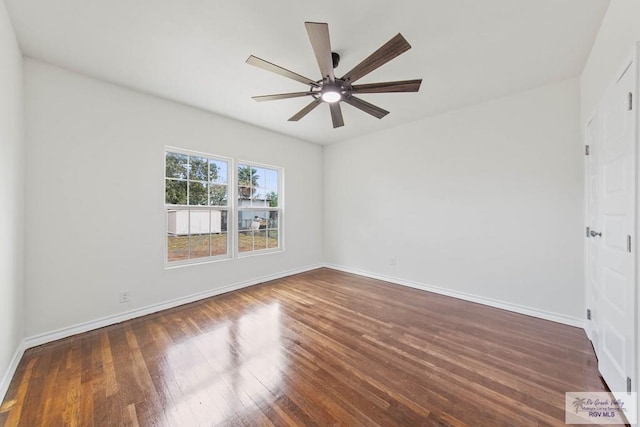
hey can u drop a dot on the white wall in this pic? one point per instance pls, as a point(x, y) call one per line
point(619, 31)
point(484, 201)
point(95, 219)
point(11, 194)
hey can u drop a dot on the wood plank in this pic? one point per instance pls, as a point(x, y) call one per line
point(318, 348)
point(385, 53)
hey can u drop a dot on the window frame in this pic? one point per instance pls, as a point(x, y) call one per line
point(229, 208)
point(279, 209)
point(232, 208)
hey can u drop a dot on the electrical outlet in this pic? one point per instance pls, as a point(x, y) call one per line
point(124, 296)
point(393, 261)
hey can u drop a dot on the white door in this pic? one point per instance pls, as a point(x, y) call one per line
point(616, 245)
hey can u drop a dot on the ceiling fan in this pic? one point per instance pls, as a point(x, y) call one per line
point(333, 90)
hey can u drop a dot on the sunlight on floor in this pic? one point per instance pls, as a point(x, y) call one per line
point(237, 365)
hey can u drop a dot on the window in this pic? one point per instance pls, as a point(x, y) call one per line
point(201, 209)
point(196, 200)
point(259, 208)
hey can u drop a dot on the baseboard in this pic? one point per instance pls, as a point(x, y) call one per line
point(541, 314)
point(57, 334)
point(11, 370)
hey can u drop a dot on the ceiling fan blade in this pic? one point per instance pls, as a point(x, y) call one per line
point(399, 86)
point(366, 107)
point(336, 115)
point(384, 54)
point(266, 65)
point(306, 110)
point(280, 96)
point(321, 44)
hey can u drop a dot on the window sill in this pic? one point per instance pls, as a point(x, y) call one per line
point(186, 263)
point(260, 252)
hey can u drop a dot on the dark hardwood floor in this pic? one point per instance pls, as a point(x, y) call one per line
point(319, 348)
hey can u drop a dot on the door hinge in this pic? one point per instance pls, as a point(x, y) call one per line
point(630, 107)
point(628, 243)
point(586, 150)
point(588, 229)
point(588, 314)
point(628, 385)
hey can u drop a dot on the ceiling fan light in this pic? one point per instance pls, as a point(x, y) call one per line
point(331, 95)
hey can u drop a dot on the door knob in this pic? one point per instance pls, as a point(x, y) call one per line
point(593, 233)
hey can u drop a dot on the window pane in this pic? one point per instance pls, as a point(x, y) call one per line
point(177, 247)
point(199, 246)
point(198, 193)
point(218, 195)
point(218, 243)
point(178, 222)
point(199, 222)
point(247, 176)
point(176, 165)
point(245, 241)
point(272, 239)
point(272, 197)
point(259, 178)
point(260, 240)
point(198, 168)
point(218, 171)
point(199, 227)
point(258, 198)
point(217, 225)
point(224, 215)
point(272, 222)
point(271, 178)
point(244, 196)
point(177, 235)
point(245, 218)
point(272, 230)
point(175, 192)
point(259, 220)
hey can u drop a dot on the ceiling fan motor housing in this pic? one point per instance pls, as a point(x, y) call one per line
point(342, 87)
point(335, 57)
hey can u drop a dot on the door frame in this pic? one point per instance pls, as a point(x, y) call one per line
point(632, 60)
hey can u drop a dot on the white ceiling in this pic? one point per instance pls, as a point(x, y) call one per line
point(194, 51)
